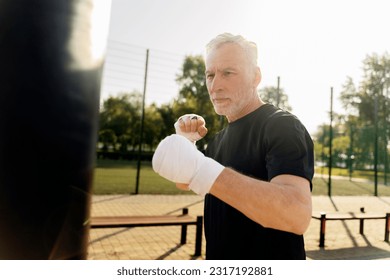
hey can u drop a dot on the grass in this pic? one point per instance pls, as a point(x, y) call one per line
point(362, 174)
point(119, 177)
point(346, 187)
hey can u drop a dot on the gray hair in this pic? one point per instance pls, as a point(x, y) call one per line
point(249, 47)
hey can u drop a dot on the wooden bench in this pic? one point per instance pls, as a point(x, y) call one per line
point(182, 220)
point(361, 216)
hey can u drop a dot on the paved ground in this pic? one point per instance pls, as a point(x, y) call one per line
point(343, 240)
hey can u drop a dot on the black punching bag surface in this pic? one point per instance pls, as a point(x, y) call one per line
point(50, 73)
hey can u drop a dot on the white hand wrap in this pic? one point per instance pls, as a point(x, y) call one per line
point(192, 136)
point(179, 161)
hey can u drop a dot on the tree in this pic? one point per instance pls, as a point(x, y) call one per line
point(349, 97)
point(120, 119)
point(108, 138)
point(366, 120)
point(168, 118)
point(192, 80)
point(121, 115)
point(270, 95)
point(340, 142)
point(152, 126)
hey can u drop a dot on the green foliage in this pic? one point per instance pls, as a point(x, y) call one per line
point(121, 115)
point(107, 137)
point(153, 128)
point(120, 122)
point(192, 80)
point(273, 96)
point(366, 118)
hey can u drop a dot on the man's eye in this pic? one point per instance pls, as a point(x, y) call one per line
point(209, 76)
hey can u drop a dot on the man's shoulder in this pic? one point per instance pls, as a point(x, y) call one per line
point(274, 113)
point(281, 123)
point(272, 117)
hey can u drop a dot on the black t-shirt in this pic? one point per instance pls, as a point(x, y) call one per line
point(263, 144)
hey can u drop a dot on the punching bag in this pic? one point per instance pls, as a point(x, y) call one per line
point(51, 59)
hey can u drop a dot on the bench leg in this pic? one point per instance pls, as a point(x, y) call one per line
point(183, 237)
point(322, 230)
point(387, 227)
point(198, 240)
point(361, 227)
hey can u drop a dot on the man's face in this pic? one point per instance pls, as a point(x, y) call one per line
point(231, 81)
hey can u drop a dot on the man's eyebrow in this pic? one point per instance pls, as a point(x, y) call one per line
point(229, 69)
point(221, 70)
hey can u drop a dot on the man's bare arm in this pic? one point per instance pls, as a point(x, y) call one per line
point(283, 204)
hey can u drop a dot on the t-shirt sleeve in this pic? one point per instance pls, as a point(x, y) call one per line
point(289, 148)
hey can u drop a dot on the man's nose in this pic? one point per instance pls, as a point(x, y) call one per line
point(216, 83)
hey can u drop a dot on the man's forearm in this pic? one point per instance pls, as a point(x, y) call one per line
point(283, 204)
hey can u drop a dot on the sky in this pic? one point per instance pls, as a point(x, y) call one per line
point(311, 45)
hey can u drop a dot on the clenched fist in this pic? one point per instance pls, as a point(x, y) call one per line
point(179, 161)
point(191, 126)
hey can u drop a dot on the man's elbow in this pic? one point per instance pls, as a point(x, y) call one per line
point(301, 224)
